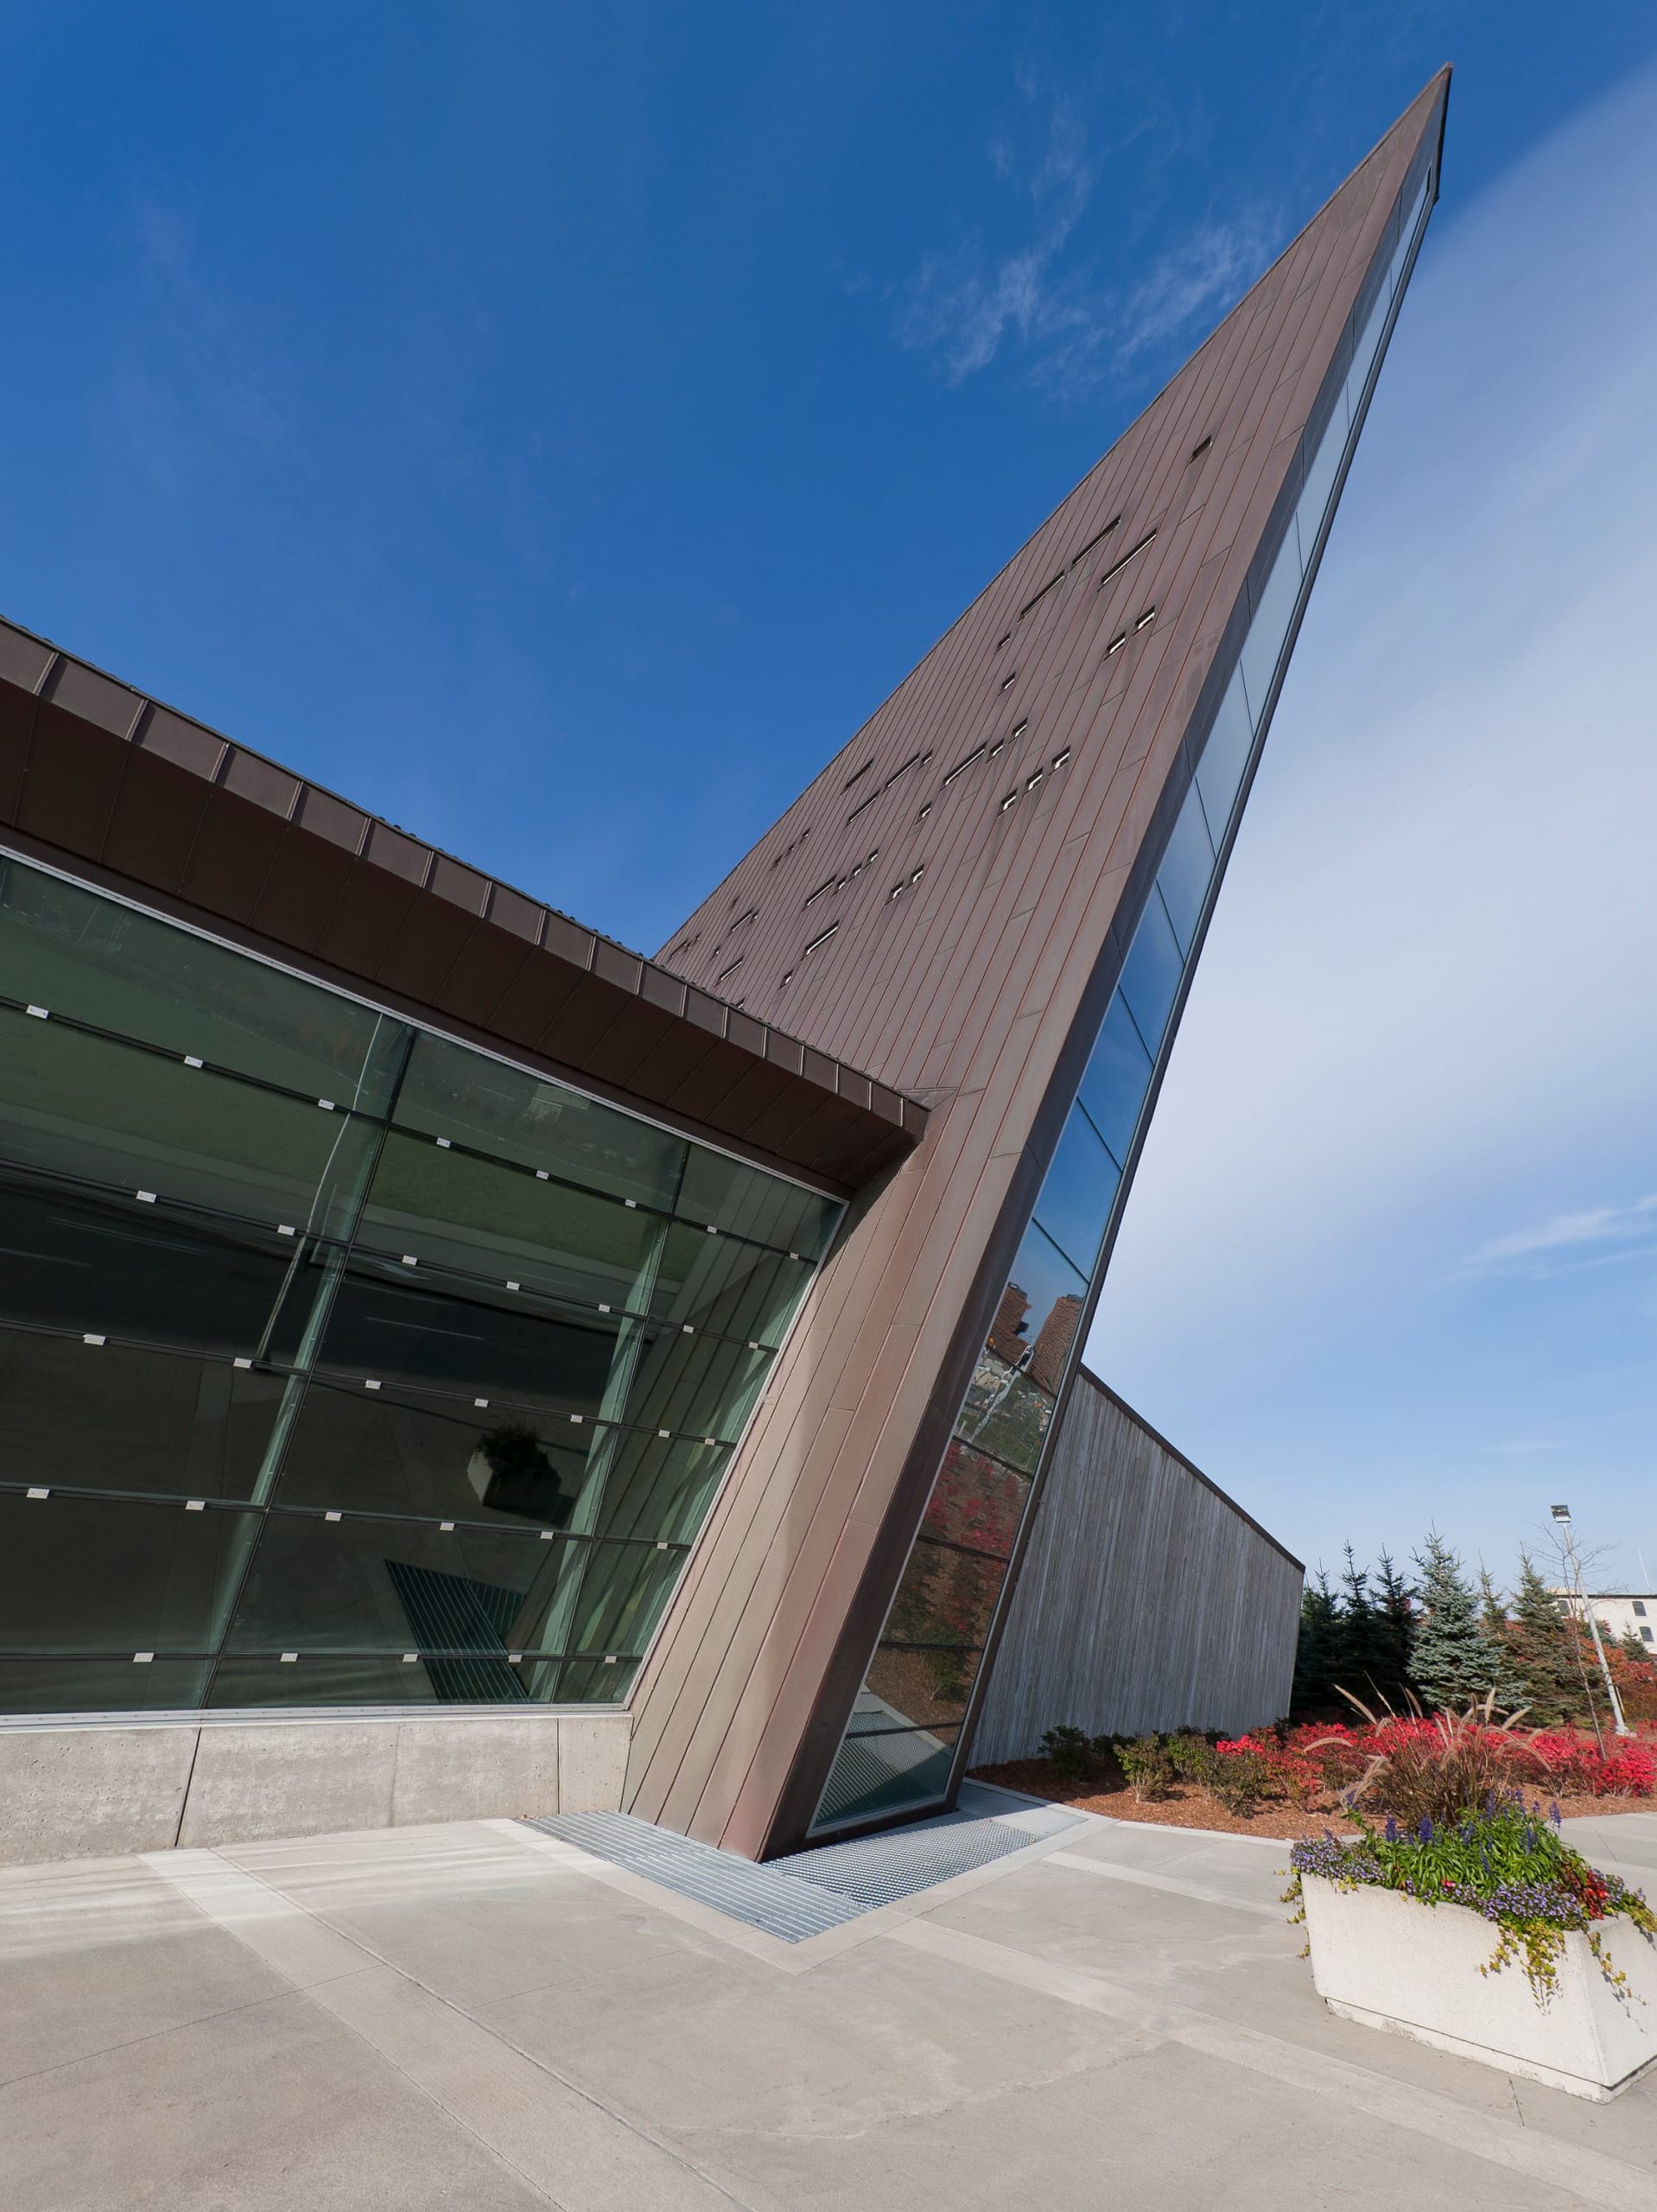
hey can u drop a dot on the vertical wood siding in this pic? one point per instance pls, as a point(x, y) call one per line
point(1147, 1599)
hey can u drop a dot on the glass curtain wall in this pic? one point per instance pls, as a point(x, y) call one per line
point(900, 1744)
point(340, 1363)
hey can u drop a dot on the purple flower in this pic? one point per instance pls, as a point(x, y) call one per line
point(1392, 1829)
point(1425, 1832)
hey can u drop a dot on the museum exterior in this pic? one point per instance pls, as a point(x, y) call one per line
point(419, 1314)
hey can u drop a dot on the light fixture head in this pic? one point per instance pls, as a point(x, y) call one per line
point(1561, 1512)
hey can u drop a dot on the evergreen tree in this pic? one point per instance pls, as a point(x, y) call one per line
point(1364, 1665)
point(1455, 1659)
point(1395, 1605)
point(1492, 1608)
point(1542, 1651)
point(1637, 1653)
point(1318, 1650)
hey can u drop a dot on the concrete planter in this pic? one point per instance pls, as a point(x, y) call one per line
point(1383, 1959)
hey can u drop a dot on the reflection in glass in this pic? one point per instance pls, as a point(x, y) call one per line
point(1187, 865)
point(430, 1344)
point(1075, 1198)
point(1114, 1087)
point(114, 1417)
point(1151, 973)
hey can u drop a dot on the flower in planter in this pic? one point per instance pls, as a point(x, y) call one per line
point(1505, 1860)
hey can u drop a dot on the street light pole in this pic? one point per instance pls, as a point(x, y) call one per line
point(1562, 1515)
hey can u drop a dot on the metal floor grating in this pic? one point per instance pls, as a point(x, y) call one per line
point(813, 1890)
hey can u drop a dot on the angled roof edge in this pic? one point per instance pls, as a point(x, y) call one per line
point(95, 771)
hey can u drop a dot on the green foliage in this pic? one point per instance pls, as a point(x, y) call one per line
point(1543, 1652)
point(1503, 1860)
point(1240, 1781)
point(1145, 1762)
point(1194, 1759)
point(1455, 1660)
point(1071, 1751)
point(1317, 1659)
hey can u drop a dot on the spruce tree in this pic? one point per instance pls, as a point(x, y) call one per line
point(1542, 1651)
point(1395, 1606)
point(1455, 1660)
point(1636, 1652)
point(1492, 1608)
point(1318, 1650)
point(1364, 1665)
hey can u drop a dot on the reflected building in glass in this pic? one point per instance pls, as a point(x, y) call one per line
point(410, 1299)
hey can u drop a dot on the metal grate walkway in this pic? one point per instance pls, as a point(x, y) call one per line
point(813, 1890)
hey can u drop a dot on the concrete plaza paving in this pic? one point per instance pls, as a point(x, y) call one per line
point(474, 2017)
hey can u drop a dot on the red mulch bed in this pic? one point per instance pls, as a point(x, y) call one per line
point(1187, 1807)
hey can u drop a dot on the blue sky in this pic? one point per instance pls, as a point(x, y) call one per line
point(617, 402)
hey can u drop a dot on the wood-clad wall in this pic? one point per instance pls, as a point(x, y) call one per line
point(1148, 1600)
point(977, 991)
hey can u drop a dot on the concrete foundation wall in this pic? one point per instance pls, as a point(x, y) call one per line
point(86, 1789)
point(1147, 1599)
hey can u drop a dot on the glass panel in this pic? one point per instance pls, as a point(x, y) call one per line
point(104, 1113)
point(1225, 756)
point(484, 1344)
point(716, 1282)
point(946, 1597)
point(1321, 472)
point(753, 1204)
point(452, 1210)
point(1114, 1088)
point(1151, 973)
point(66, 948)
point(595, 1682)
point(380, 1452)
point(658, 1488)
point(886, 1773)
point(1038, 1337)
point(72, 1262)
point(103, 1574)
point(396, 1586)
point(1004, 1413)
point(929, 1687)
point(624, 1588)
point(699, 1386)
point(975, 1501)
point(85, 1685)
point(106, 1417)
point(1076, 1199)
point(323, 1678)
point(452, 1092)
point(1269, 625)
point(1187, 868)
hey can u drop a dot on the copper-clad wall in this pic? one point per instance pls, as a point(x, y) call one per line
point(971, 952)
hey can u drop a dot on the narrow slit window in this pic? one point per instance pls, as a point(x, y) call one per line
point(915, 760)
point(1145, 620)
point(731, 970)
point(1018, 728)
point(1116, 567)
point(1012, 799)
point(1031, 781)
point(1009, 679)
point(1030, 605)
point(1199, 449)
point(821, 939)
point(1059, 758)
point(1098, 538)
point(857, 775)
point(962, 766)
point(1116, 644)
point(861, 803)
point(832, 884)
point(1006, 640)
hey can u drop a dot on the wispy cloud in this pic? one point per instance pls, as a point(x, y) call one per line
point(1210, 269)
point(1565, 1232)
point(962, 309)
point(965, 306)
